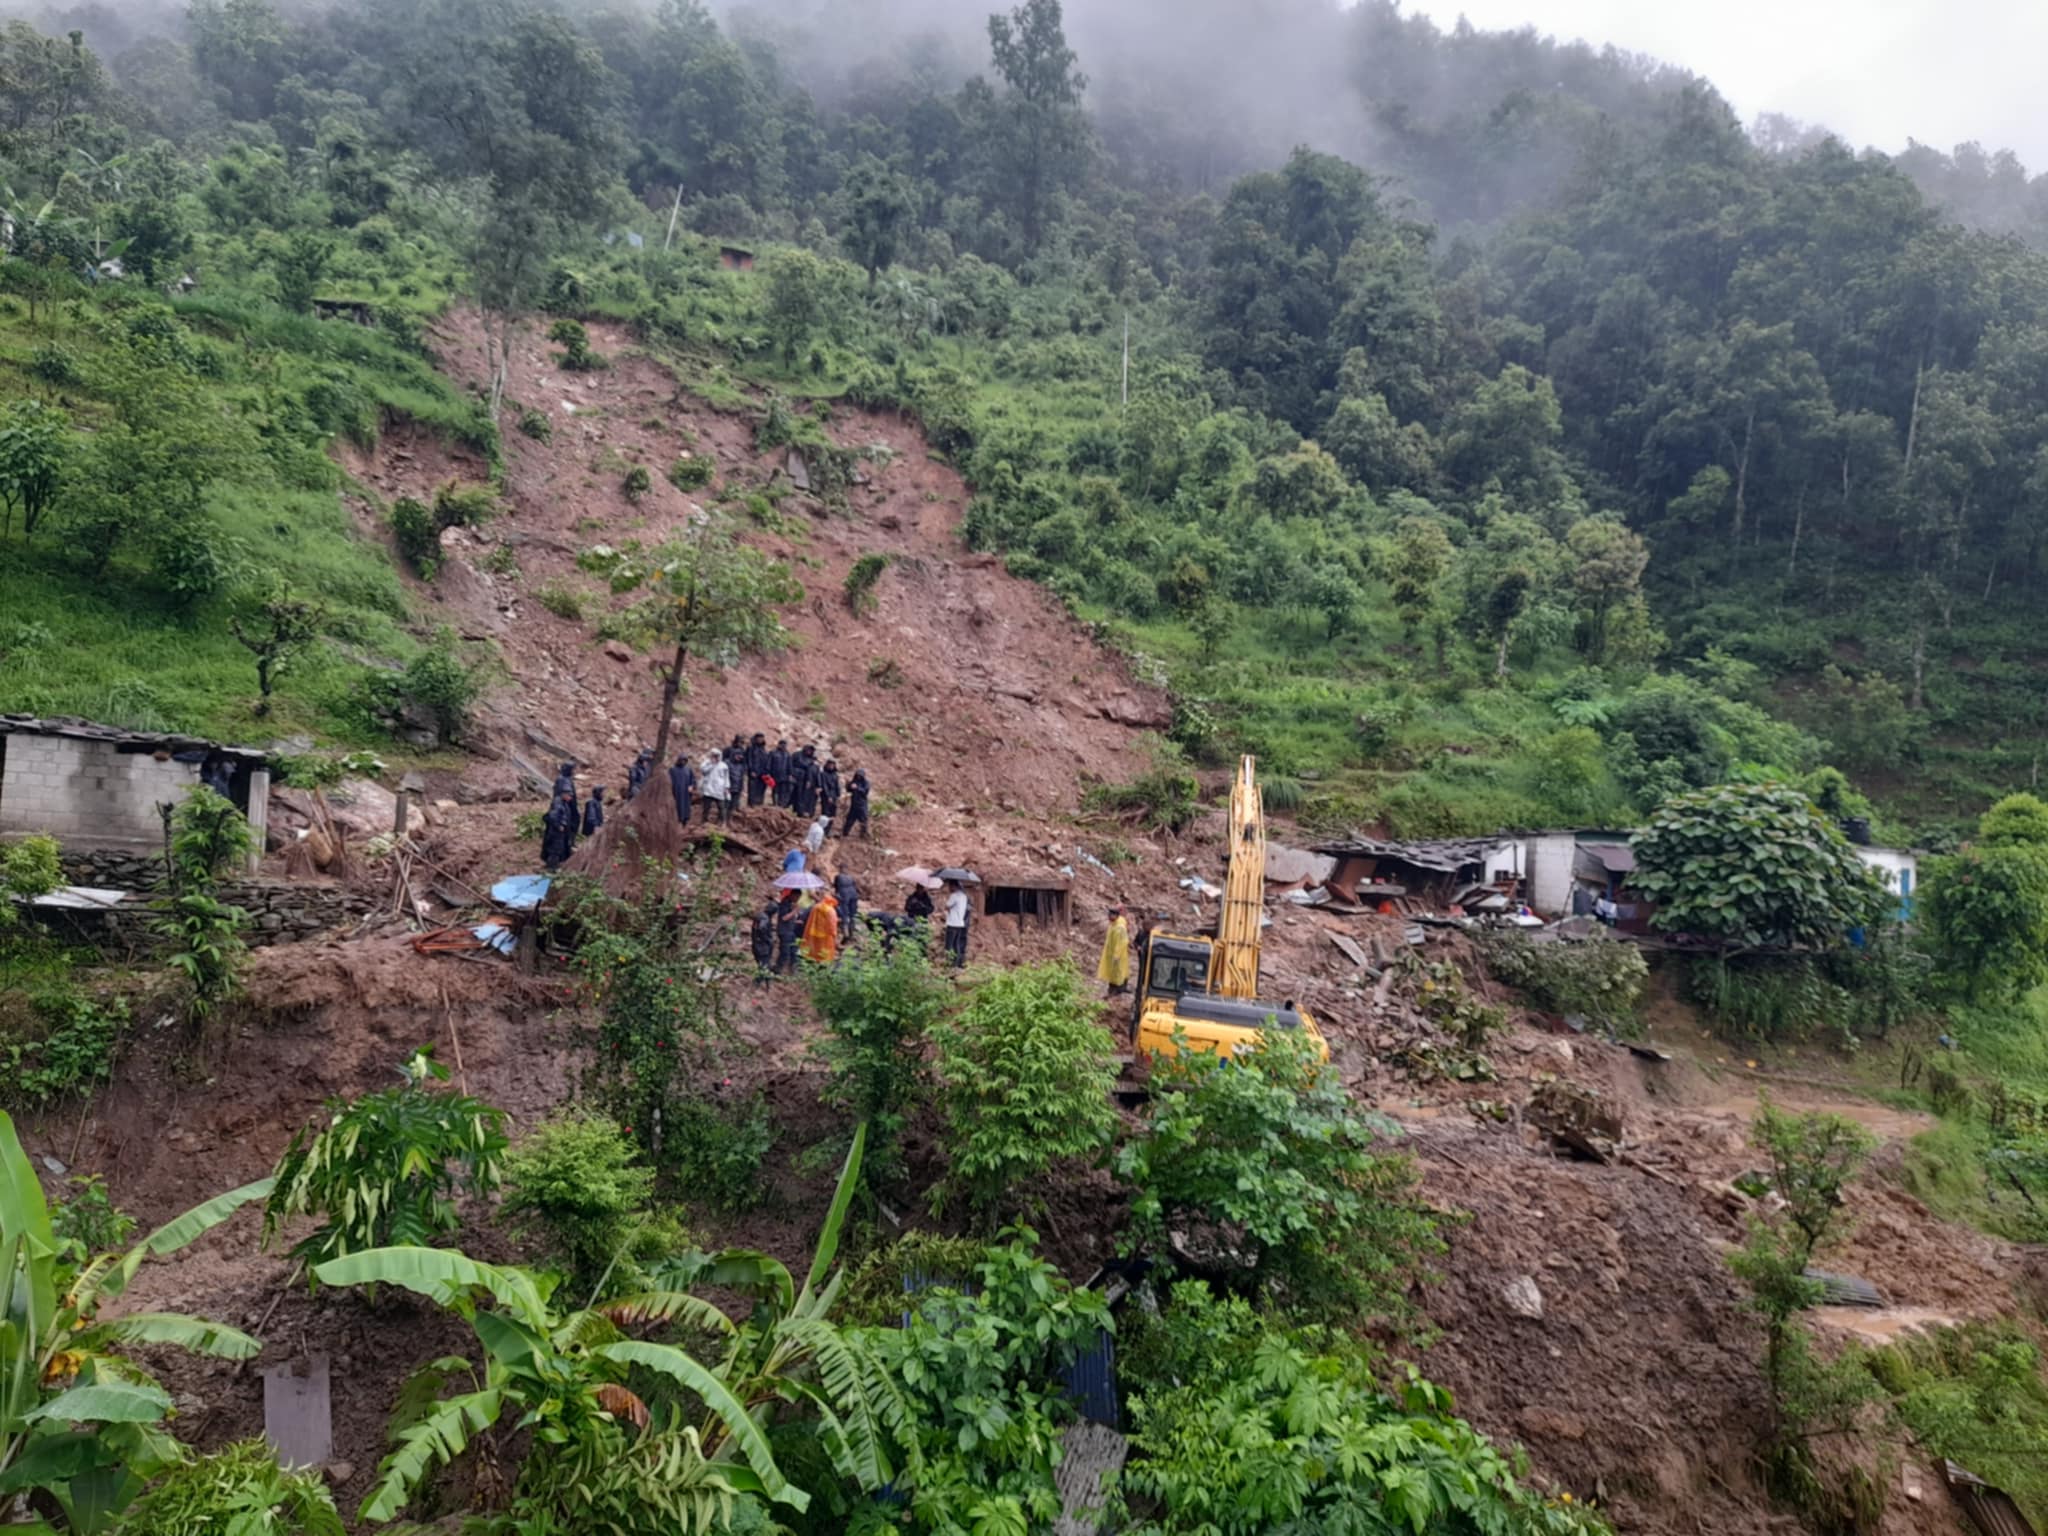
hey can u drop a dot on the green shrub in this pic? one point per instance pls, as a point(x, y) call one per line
point(690, 474)
point(1600, 980)
point(62, 1042)
point(418, 536)
point(560, 599)
point(535, 424)
point(29, 867)
point(386, 1167)
point(1025, 1073)
point(879, 1010)
point(437, 689)
point(239, 1490)
point(714, 1151)
point(574, 341)
point(575, 1185)
point(861, 579)
point(87, 1221)
point(1163, 799)
point(464, 506)
point(1974, 1394)
point(637, 483)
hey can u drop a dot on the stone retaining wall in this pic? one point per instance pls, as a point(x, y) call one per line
point(280, 911)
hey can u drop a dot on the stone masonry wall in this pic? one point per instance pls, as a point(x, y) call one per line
point(280, 911)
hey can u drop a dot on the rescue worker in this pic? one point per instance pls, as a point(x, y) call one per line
point(565, 779)
point(682, 778)
point(757, 769)
point(789, 927)
point(736, 774)
point(828, 792)
point(821, 932)
point(856, 804)
point(1114, 968)
point(846, 891)
point(956, 923)
point(763, 937)
point(636, 775)
point(814, 838)
point(593, 812)
point(918, 905)
point(778, 772)
point(558, 832)
point(803, 773)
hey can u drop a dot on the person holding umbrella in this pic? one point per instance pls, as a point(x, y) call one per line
point(789, 927)
point(1114, 968)
point(956, 922)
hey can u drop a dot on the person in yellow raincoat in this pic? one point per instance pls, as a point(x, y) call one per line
point(820, 943)
point(1114, 968)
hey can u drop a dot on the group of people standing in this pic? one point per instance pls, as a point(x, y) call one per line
point(793, 927)
point(800, 782)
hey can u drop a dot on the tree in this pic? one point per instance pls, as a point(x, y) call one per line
point(1415, 567)
point(1024, 1083)
point(1262, 1155)
point(606, 1458)
point(386, 1167)
point(299, 266)
point(576, 1181)
point(879, 1008)
point(1985, 913)
point(1754, 865)
point(35, 440)
point(29, 867)
point(2017, 821)
point(1044, 135)
point(78, 1420)
point(282, 626)
point(796, 300)
point(1608, 563)
point(879, 203)
point(706, 593)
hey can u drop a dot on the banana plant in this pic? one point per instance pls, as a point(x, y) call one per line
point(596, 1443)
point(79, 1423)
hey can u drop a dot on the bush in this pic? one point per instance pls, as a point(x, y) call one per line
point(1163, 799)
point(714, 1151)
point(690, 474)
point(53, 364)
point(878, 1011)
point(437, 689)
point(1600, 980)
point(239, 1490)
point(29, 867)
point(861, 579)
point(535, 424)
point(1025, 1073)
point(418, 536)
point(464, 506)
point(564, 602)
point(1262, 1153)
point(385, 1168)
point(576, 1187)
point(576, 356)
point(636, 484)
point(65, 1044)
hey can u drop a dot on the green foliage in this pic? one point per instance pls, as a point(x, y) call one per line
point(29, 866)
point(576, 356)
point(879, 1011)
point(1985, 915)
point(713, 1150)
point(978, 1362)
point(62, 1042)
point(1024, 1075)
point(282, 624)
point(637, 484)
point(386, 1167)
point(434, 693)
point(691, 473)
point(209, 838)
point(860, 582)
point(239, 1490)
point(87, 1221)
point(1974, 1394)
point(1753, 864)
point(1163, 798)
point(80, 1433)
point(796, 298)
point(574, 1183)
point(1261, 1156)
point(1600, 980)
point(536, 425)
point(560, 599)
point(418, 537)
point(1244, 1424)
point(34, 445)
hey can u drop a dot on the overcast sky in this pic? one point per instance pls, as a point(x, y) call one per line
point(1875, 71)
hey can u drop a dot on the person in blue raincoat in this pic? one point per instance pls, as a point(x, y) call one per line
point(558, 832)
point(593, 812)
point(682, 779)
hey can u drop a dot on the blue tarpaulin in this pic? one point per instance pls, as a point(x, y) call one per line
point(521, 893)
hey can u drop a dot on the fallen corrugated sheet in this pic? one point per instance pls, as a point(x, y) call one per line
point(1349, 950)
point(1292, 866)
point(1990, 1509)
point(1845, 1290)
point(1090, 1454)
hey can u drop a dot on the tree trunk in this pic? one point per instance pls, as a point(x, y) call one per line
point(1919, 699)
point(670, 686)
point(1742, 475)
point(1913, 419)
point(1500, 653)
point(1798, 528)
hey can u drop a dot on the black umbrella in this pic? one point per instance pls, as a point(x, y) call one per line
point(964, 876)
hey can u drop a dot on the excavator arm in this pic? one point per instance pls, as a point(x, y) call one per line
point(1236, 969)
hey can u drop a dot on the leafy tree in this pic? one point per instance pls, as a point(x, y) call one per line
point(605, 1453)
point(35, 440)
point(78, 1420)
point(1753, 865)
point(706, 592)
point(1985, 912)
point(1262, 1152)
point(2017, 821)
point(796, 300)
point(879, 204)
point(386, 1167)
point(879, 1010)
point(1042, 137)
point(299, 267)
point(576, 1183)
point(29, 866)
point(1416, 567)
point(288, 624)
point(1607, 569)
point(1024, 1077)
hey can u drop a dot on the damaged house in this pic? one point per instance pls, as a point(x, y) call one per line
point(1430, 875)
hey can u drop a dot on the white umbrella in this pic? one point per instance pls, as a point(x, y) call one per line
point(799, 880)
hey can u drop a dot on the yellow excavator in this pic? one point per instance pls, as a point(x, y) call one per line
point(1206, 991)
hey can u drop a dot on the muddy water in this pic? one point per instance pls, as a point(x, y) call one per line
point(1881, 1325)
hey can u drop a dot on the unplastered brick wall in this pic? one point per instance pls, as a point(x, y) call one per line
point(86, 792)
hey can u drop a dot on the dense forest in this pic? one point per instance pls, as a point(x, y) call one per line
point(1537, 443)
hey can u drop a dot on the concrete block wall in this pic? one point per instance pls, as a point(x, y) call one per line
point(86, 793)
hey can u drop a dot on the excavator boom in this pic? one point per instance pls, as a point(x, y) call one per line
point(1244, 889)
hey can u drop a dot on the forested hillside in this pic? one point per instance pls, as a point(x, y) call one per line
point(1553, 446)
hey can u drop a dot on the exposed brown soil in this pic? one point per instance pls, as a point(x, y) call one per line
point(1638, 1384)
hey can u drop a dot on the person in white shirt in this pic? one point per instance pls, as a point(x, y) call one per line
point(814, 839)
point(714, 783)
point(956, 923)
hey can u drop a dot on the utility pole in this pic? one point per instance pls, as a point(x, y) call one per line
point(1127, 359)
point(671, 240)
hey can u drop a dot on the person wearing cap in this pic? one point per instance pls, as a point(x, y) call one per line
point(756, 763)
point(1114, 968)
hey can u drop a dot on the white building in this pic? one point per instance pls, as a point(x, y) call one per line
point(1898, 868)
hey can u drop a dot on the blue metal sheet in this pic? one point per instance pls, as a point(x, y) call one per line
point(1090, 1380)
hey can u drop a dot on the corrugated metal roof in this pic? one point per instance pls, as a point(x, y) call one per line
point(1445, 855)
point(1990, 1509)
point(139, 741)
point(1615, 858)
